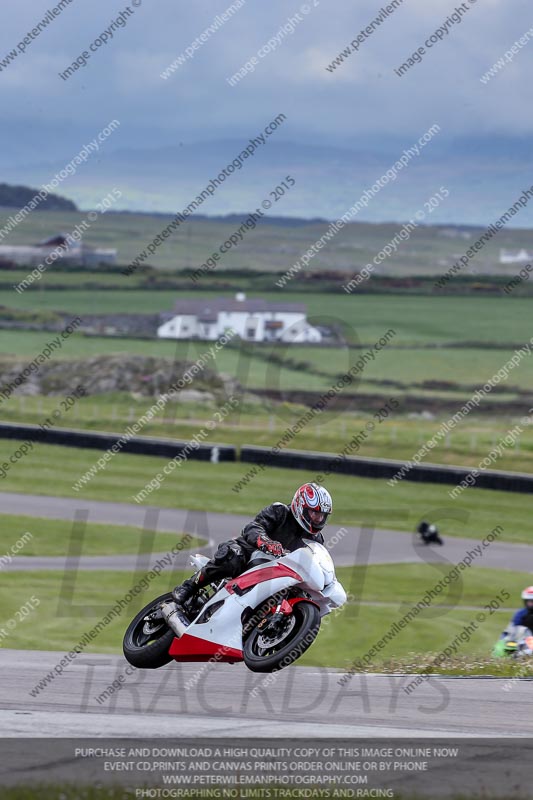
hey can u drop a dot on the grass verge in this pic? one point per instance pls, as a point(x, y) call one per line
point(52, 537)
point(398, 437)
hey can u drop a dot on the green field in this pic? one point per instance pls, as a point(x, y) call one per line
point(458, 372)
point(205, 486)
point(271, 246)
point(501, 321)
point(468, 322)
point(444, 348)
point(56, 537)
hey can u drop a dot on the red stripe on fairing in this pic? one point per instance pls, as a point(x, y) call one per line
point(192, 648)
point(261, 575)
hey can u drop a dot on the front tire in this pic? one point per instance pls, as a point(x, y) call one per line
point(269, 651)
point(146, 642)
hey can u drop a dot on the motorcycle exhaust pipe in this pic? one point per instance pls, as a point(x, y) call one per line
point(174, 623)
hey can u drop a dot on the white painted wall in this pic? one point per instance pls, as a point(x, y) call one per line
point(295, 327)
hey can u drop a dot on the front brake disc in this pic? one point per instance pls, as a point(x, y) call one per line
point(268, 639)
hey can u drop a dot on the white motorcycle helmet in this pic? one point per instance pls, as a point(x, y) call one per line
point(311, 507)
point(527, 597)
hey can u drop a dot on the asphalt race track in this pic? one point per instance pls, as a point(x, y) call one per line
point(195, 700)
point(354, 546)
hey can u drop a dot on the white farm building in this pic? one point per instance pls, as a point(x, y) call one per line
point(515, 256)
point(64, 246)
point(254, 320)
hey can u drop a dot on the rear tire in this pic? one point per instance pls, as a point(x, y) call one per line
point(259, 658)
point(148, 650)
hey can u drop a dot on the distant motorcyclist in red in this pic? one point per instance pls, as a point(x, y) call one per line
point(277, 528)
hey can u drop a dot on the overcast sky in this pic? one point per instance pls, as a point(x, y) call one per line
point(362, 96)
point(363, 100)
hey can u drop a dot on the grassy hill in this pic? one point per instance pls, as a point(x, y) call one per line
point(18, 196)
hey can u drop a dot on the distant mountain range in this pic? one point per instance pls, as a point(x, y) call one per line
point(484, 177)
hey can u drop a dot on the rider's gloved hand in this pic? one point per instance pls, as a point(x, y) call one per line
point(269, 546)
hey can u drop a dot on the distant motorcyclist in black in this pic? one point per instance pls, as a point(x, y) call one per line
point(277, 528)
point(429, 533)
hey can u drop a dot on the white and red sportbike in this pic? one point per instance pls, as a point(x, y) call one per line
point(267, 617)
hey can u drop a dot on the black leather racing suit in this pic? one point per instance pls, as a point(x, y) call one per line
point(276, 522)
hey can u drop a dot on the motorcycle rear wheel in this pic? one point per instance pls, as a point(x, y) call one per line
point(260, 657)
point(146, 646)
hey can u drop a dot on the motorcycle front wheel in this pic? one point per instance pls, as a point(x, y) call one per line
point(271, 646)
point(148, 638)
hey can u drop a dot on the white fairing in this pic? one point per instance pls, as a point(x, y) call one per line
point(323, 558)
point(315, 574)
point(335, 594)
point(321, 583)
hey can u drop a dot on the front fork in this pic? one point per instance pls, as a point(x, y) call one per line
point(283, 609)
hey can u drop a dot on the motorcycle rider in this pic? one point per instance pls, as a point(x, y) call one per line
point(524, 616)
point(276, 529)
point(429, 533)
